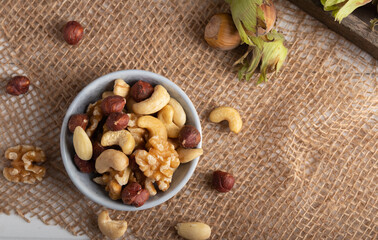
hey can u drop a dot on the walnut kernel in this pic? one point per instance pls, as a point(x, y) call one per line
point(159, 163)
point(23, 170)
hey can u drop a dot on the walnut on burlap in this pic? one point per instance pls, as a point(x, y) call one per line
point(305, 162)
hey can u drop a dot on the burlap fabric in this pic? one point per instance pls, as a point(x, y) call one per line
point(305, 161)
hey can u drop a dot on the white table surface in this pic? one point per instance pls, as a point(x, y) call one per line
point(14, 227)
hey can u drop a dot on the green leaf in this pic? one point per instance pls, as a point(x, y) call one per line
point(342, 8)
point(268, 52)
point(246, 14)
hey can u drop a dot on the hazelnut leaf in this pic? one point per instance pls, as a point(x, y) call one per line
point(247, 16)
point(342, 8)
point(268, 53)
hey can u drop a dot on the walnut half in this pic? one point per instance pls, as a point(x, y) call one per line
point(159, 163)
point(95, 116)
point(23, 170)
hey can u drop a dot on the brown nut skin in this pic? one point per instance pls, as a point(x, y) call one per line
point(132, 163)
point(141, 198)
point(223, 181)
point(97, 150)
point(78, 120)
point(134, 194)
point(117, 121)
point(112, 104)
point(138, 174)
point(84, 166)
point(18, 85)
point(73, 32)
point(141, 91)
point(189, 137)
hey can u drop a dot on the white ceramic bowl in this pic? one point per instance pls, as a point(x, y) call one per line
point(92, 93)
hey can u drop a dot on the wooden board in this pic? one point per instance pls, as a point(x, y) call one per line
point(355, 27)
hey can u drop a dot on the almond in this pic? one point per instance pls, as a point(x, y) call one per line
point(82, 144)
point(194, 230)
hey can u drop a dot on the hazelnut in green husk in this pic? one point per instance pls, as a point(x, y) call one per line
point(267, 54)
point(252, 17)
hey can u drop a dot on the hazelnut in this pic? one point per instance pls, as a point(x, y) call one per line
point(77, 120)
point(223, 181)
point(73, 32)
point(84, 166)
point(141, 91)
point(134, 194)
point(141, 198)
point(117, 121)
point(18, 85)
point(97, 149)
point(112, 104)
point(189, 137)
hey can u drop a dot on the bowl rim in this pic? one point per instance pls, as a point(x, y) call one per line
point(115, 75)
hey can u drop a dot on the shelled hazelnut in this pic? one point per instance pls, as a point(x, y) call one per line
point(18, 85)
point(84, 166)
point(73, 32)
point(117, 121)
point(76, 120)
point(134, 194)
point(223, 181)
point(189, 137)
point(141, 91)
point(112, 104)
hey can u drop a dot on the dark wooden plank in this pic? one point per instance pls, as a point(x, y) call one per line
point(355, 27)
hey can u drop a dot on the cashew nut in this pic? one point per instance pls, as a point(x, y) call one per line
point(122, 138)
point(123, 177)
point(227, 113)
point(188, 154)
point(159, 98)
point(179, 116)
point(121, 88)
point(82, 144)
point(165, 115)
point(114, 189)
point(111, 159)
point(154, 126)
point(111, 228)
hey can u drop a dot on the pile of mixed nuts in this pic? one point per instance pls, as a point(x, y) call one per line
point(133, 140)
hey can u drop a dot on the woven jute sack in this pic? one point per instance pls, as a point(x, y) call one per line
point(305, 161)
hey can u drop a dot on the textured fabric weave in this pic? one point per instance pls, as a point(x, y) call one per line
point(305, 162)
